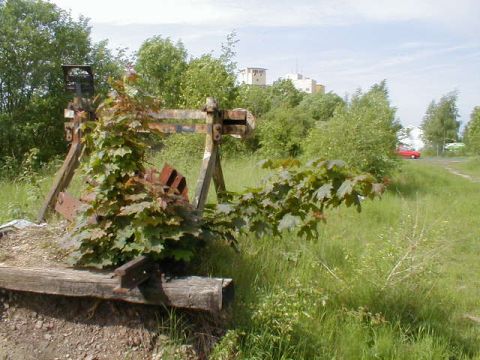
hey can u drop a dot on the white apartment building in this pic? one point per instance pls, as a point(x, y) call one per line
point(253, 76)
point(304, 83)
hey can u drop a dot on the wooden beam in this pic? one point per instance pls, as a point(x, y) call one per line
point(238, 115)
point(209, 156)
point(174, 114)
point(218, 179)
point(62, 179)
point(175, 128)
point(191, 292)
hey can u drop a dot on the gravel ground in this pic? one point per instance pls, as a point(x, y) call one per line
point(35, 326)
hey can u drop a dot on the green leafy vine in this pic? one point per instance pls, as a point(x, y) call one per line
point(128, 216)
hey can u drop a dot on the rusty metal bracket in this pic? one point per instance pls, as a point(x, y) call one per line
point(69, 128)
point(217, 132)
point(170, 178)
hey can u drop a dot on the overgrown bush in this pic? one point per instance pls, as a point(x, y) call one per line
point(363, 134)
point(129, 216)
point(282, 131)
point(132, 217)
point(294, 198)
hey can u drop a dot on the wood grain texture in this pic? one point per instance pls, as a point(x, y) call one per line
point(191, 292)
point(176, 114)
point(62, 180)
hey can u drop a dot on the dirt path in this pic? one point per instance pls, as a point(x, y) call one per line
point(465, 176)
point(447, 163)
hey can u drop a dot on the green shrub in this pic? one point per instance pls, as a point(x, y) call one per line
point(363, 134)
point(281, 132)
point(132, 216)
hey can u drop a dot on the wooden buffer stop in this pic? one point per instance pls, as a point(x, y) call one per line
point(140, 280)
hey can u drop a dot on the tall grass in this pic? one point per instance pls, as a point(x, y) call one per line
point(393, 282)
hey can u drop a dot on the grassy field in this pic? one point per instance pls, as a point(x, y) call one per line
point(469, 167)
point(400, 280)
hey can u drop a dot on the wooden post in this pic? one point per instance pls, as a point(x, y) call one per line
point(65, 174)
point(218, 179)
point(210, 155)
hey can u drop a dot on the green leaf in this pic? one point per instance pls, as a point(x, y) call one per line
point(135, 208)
point(288, 222)
point(121, 152)
point(323, 192)
point(224, 208)
point(345, 189)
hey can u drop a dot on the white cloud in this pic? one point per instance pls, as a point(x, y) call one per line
point(235, 14)
point(418, 65)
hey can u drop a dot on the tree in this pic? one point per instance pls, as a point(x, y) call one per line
point(440, 125)
point(107, 64)
point(284, 93)
point(36, 38)
point(208, 76)
point(472, 131)
point(257, 99)
point(161, 64)
point(362, 133)
point(321, 107)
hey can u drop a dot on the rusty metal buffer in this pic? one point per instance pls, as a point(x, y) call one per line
point(216, 123)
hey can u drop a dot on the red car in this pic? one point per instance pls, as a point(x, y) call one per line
point(407, 153)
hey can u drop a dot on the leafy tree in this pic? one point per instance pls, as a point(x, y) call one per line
point(440, 125)
point(284, 93)
point(472, 131)
point(319, 106)
point(107, 64)
point(208, 76)
point(36, 38)
point(362, 133)
point(228, 52)
point(257, 99)
point(161, 63)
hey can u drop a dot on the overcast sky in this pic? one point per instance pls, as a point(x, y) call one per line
point(423, 48)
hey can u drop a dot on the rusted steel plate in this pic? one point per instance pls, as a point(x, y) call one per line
point(168, 177)
point(179, 184)
point(67, 206)
point(88, 197)
point(234, 130)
